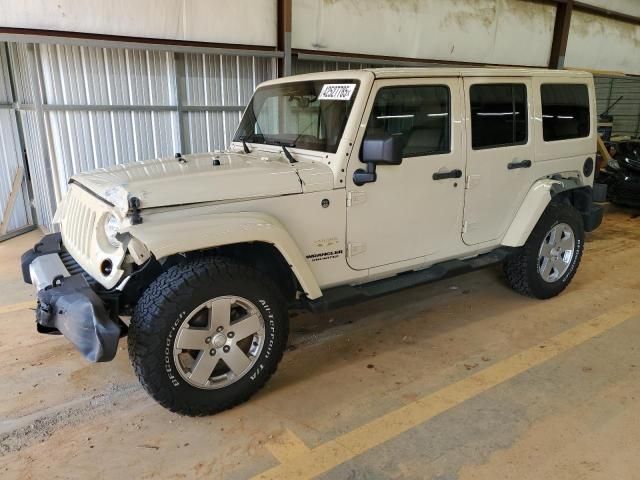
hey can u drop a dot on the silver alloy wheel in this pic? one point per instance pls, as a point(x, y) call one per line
point(219, 342)
point(556, 252)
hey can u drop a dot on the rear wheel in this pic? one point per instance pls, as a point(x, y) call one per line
point(547, 262)
point(206, 335)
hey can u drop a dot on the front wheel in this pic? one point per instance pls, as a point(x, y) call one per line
point(206, 335)
point(547, 262)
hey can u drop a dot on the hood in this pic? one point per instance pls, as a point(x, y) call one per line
point(206, 177)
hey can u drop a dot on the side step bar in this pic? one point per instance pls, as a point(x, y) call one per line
point(345, 295)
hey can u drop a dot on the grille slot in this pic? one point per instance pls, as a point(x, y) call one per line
point(73, 268)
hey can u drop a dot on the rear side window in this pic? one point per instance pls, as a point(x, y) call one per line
point(417, 114)
point(498, 115)
point(565, 111)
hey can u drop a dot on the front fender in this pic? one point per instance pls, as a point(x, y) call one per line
point(201, 232)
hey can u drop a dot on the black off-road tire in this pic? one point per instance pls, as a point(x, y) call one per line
point(169, 300)
point(522, 269)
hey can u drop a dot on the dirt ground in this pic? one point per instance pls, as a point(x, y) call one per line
point(574, 414)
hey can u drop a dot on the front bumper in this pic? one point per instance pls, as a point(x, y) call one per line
point(68, 304)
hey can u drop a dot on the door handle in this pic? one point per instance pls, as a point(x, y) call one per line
point(450, 174)
point(520, 164)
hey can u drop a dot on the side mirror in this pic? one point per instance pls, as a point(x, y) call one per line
point(377, 150)
point(382, 149)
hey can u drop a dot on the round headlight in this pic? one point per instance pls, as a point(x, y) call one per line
point(111, 226)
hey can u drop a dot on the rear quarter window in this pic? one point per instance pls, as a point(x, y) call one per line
point(565, 111)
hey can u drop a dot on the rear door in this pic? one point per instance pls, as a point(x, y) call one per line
point(500, 154)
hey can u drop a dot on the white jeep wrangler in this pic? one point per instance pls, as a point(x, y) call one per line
point(337, 187)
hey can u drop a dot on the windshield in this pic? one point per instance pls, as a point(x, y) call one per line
point(309, 115)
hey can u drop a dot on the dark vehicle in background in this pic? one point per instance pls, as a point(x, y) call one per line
point(622, 173)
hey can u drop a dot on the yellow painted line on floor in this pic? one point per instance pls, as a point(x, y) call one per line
point(287, 447)
point(16, 307)
point(327, 456)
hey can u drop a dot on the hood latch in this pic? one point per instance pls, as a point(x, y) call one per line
point(134, 211)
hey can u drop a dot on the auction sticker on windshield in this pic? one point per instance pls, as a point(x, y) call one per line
point(337, 91)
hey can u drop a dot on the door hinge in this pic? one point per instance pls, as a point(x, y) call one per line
point(471, 181)
point(355, 248)
point(356, 198)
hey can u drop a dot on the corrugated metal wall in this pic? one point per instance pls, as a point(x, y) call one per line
point(10, 153)
point(105, 107)
point(88, 107)
point(84, 107)
point(216, 89)
point(626, 113)
point(29, 102)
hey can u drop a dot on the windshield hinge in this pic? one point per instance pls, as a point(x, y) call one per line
point(355, 248)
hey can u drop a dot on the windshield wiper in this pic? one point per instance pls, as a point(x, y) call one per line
point(287, 153)
point(245, 146)
point(285, 148)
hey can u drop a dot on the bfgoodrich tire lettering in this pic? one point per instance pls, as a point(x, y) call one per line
point(522, 269)
point(165, 306)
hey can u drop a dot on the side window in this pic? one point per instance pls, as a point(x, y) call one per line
point(498, 115)
point(418, 114)
point(565, 111)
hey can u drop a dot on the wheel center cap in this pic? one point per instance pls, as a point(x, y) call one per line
point(219, 340)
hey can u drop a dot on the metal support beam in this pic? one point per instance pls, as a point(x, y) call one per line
point(560, 34)
point(370, 60)
point(284, 37)
point(589, 7)
point(49, 107)
point(606, 13)
point(181, 89)
point(388, 60)
point(25, 35)
point(18, 232)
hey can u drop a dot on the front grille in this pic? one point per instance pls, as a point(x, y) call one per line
point(80, 218)
point(78, 225)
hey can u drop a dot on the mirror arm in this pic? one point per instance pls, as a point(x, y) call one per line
point(361, 176)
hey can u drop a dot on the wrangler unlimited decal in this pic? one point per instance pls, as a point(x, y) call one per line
point(316, 257)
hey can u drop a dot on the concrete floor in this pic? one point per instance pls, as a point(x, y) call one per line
point(461, 379)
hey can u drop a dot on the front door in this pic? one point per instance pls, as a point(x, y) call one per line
point(499, 154)
point(412, 210)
